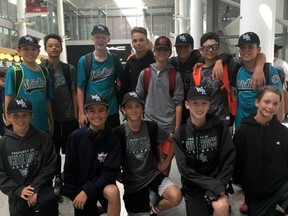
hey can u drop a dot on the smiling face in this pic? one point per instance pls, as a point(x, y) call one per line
point(29, 53)
point(100, 41)
point(133, 109)
point(183, 52)
point(210, 49)
point(97, 115)
point(162, 54)
point(198, 109)
point(267, 106)
point(249, 52)
point(20, 122)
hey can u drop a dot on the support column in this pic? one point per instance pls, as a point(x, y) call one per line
point(259, 16)
point(61, 29)
point(196, 21)
point(183, 15)
point(176, 20)
point(21, 22)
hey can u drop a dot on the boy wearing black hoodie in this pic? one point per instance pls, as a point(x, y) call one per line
point(205, 157)
point(27, 164)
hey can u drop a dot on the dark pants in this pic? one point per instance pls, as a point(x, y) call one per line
point(267, 207)
point(47, 205)
point(197, 205)
point(62, 130)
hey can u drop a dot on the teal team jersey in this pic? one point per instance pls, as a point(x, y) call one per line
point(37, 89)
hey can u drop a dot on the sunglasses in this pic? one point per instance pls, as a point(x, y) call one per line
point(208, 47)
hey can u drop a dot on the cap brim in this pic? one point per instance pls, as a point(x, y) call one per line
point(199, 97)
point(161, 46)
point(17, 111)
point(32, 44)
point(98, 103)
point(183, 44)
point(141, 101)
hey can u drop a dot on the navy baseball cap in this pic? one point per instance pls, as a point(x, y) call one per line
point(100, 29)
point(198, 93)
point(277, 47)
point(28, 40)
point(248, 38)
point(19, 105)
point(96, 99)
point(163, 42)
point(132, 96)
point(184, 39)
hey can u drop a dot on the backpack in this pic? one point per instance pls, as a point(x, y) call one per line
point(152, 132)
point(18, 74)
point(171, 76)
point(267, 69)
point(231, 98)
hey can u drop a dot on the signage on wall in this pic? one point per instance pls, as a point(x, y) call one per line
point(36, 6)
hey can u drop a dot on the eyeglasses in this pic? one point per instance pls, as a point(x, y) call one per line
point(208, 47)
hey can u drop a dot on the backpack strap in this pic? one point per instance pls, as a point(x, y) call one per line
point(18, 74)
point(146, 80)
point(172, 80)
point(196, 76)
point(88, 65)
point(267, 69)
point(153, 134)
point(66, 73)
point(171, 76)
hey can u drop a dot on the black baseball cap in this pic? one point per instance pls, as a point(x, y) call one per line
point(248, 38)
point(184, 39)
point(198, 93)
point(163, 42)
point(96, 99)
point(19, 105)
point(277, 47)
point(28, 40)
point(100, 29)
point(132, 96)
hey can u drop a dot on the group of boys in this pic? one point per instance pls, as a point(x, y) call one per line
point(203, 146)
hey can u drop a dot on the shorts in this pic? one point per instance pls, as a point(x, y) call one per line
point(139, 201)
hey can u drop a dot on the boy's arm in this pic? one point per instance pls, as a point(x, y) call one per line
point(75, 104)
point(140, 84)
point(73, 76)
point(258, 77)
point(48, 164)
point(178, 99)
point(224, 58)
point(179, 110)
point(80, 99)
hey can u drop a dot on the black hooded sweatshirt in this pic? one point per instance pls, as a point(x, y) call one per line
point(262, 157)
point(28, 160)
point(205, 158)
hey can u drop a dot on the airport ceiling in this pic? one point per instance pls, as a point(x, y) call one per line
point(92, 7)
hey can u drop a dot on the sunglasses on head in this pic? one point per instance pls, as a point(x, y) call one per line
point(208, 47)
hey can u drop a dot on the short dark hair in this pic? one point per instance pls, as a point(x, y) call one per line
point(55, 36)
point(209, 36)
point(139, 30)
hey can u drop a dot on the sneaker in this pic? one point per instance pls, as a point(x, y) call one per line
point(57, 185)
point(243, 208)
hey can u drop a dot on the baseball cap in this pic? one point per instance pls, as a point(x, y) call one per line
point(184, 39)
point(132, 96)
point(198, 93)
point(163, 42)
point(96, 99)
point(100, 29)
point(248, 37)
point(277, 47)
point(28, 40)
point(19, 105)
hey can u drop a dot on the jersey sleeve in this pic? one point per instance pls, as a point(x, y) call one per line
point(10, 82)
point(81, 73)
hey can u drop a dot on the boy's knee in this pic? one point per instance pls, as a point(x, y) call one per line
point(173, 194)
point(111, 192)
point(222, 205)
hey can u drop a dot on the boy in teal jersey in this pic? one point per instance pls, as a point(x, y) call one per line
point(102, 75)
point(35, 84)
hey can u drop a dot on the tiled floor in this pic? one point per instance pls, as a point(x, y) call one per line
point(66, 208)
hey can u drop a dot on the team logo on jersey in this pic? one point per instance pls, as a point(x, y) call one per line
point(102, 156)
point(275, 79)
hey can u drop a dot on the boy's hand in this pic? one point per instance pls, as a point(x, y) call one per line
point(32, 200)
point(258, 77)
point(80, 200)
point(197, 65)
point(217, 71)
point(27, 192)
point(82, 119)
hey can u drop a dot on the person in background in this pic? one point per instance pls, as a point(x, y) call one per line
point(261, 166)
point(64, 103)
point(27, 163)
